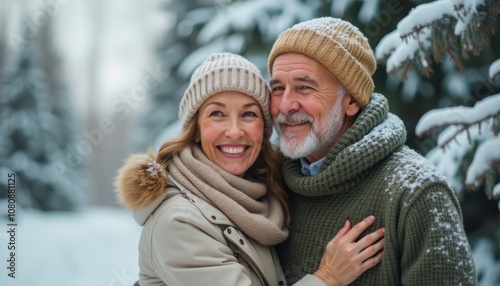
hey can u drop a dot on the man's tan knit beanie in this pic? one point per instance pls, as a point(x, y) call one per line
point(336, 44)
point(225, 72)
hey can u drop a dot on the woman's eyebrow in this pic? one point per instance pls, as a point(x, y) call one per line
point(216, 103)
point(220, 104)
point(250, 104)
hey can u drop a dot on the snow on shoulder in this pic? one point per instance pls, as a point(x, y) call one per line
point(413, 171)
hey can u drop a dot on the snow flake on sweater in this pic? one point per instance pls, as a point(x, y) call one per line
point(413, 171)
point(444, 218)
point(450, 231)
point(380, 136)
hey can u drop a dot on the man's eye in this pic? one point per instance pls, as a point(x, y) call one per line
point(277, 88)
point(304, 87)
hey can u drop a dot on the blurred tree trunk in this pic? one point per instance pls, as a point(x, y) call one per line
point(95, 190)
point(3, 34)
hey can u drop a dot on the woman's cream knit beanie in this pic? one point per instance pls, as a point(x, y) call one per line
point(336, 44)
point(225, 72)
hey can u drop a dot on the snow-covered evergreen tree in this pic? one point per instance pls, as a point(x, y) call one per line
point(35, 135)
point(176, 45)
point(467, 149)
point(453, 28)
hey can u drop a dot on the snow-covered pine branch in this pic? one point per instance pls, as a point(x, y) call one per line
point(487, 156)
point(461, 117)
point(469, 120)
point(494, 71)
point(453, 27)
point(229, 29)
point(368, 11)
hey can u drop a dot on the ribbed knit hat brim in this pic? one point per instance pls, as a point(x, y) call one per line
point(225, 72)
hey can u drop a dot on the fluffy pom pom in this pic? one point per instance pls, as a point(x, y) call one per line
point(140, 181)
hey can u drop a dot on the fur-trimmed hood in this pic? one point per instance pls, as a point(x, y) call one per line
point(140, 181)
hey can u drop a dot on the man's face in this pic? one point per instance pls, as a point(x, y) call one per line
point(307, 111)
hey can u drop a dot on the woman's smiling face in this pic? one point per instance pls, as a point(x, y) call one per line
point(231, 131)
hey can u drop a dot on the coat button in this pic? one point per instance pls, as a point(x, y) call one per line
point(242, 242)
point(236, 254)
point(229, 230)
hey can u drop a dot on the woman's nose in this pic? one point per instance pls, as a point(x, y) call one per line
point(234, 129)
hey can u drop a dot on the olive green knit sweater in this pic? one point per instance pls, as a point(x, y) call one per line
point(370, 171)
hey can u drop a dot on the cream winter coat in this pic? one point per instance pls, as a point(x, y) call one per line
point(187, 241)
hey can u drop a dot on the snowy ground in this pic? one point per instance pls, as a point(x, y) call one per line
point(98, 247)
point(95, 247)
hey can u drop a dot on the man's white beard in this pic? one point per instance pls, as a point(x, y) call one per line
point(322, 135)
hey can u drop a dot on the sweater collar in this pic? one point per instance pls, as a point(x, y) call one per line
point(375, 134)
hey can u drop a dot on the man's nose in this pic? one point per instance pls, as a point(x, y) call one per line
point(288, 102)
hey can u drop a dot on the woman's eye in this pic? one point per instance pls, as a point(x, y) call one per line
point(249, 114)
point(216, 113)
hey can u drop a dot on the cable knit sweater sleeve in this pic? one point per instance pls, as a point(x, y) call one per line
point(435, 249)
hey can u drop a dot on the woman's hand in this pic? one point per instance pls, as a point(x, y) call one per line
point(345, 259)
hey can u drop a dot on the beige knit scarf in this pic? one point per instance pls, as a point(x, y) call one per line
point(249, 205)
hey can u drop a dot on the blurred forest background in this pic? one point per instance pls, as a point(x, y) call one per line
point(85, 83)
